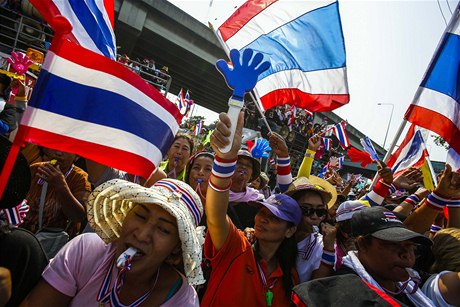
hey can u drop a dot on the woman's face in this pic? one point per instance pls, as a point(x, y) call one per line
point(153, 232)
point(256, 183)
point(201, 170)
point(178, 154)
point(270, 228)
point(308, 201)
point(242, 175)
point(64, 159)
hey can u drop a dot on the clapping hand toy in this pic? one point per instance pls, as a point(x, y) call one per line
point(259, 148)
point(21, 62)
point(241, 78)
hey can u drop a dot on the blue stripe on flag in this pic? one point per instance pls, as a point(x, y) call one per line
point(414, 148)
point(444, 74)
point(300, 38)
point(104, 111)
point(94, 25)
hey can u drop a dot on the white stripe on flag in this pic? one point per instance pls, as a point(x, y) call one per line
point(89, 132)
point(309, 82)
point(282, 11)
point(86, 76)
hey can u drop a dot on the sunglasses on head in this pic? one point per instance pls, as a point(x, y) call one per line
point(308, 211)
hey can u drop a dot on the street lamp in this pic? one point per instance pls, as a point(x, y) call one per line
point(389, 122)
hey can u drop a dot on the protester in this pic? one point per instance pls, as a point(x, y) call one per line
point(153, 229)
point(178, 155)
point(198, 171)
point(243, 274)
point(8, 117)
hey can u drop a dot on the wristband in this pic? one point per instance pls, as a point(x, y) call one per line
point(437, 202)
point(309, 155)
point(435, 228)
point(217, 189)
point(223, 168)
point(328, 258)
point(412, 200)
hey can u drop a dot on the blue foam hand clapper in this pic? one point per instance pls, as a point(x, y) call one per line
point(260, 148)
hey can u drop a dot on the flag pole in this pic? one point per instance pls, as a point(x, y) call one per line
point(253, 94)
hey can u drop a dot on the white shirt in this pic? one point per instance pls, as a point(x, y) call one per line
point(309, 253)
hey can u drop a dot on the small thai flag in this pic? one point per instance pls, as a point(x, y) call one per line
point(390, 215)
point(198, 127)
point(180, 99)
point(327, 143)
point(323, 172)
point(341, 134)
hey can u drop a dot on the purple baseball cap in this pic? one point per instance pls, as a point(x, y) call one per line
point(282, 206)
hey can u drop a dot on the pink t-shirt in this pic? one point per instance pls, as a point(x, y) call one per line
point(80, 267)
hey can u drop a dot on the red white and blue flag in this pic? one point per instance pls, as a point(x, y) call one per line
point(327, 143)
point(304, 43)
point(453, 158)
point(180, 99)
point(411, 152)
point(90, 19)
point(87, 104)
point(198, 127)
point(187, 99)
point(336, 162)
point(341, 134)
point(436, 105)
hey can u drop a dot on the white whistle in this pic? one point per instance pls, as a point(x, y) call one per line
point(126, 257)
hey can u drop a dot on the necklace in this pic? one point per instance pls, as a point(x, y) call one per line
point(268, 288)
point(111, 296)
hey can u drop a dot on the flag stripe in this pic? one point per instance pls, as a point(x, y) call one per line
point(93, 99)
point(93, 133)
point(87, 67)
point(120, 159)
point(444, 74)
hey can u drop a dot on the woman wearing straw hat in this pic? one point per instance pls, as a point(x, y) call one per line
point(147, 235)
point(242, 274)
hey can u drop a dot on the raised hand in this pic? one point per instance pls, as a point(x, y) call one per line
point(221, 134)
point(278, 145)
point(385, 172)
point(21, 62)
point(409, 179)
point(243, 76)
point(314, 142)
point(449, 184)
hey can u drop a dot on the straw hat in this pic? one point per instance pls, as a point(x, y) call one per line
point(110, 203)
point(313, 183)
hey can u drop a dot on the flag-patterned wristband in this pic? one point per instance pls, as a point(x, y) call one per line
point(223, 169)
point(412, 200)
point(436, 201)
point(435, 228)
point(217, 189)
point(328, 258)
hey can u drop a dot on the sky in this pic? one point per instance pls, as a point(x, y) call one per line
point(389, 45)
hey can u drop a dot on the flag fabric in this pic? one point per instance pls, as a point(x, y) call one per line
point(427, 176)
point(187, 99)
point(180, 101)
point(323, 172)
point(436, 103)
point(91, 23)
point(89, 105)
point(361, 157)
point(453, 158)
point(198, 127)
point(336, 162)
point(327, 143)
point(411, 152)
point(304, 43)
point(341, 134)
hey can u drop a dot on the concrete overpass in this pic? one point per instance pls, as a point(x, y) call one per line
point(159, 30)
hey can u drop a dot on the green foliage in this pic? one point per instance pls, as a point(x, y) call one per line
point(439, 141)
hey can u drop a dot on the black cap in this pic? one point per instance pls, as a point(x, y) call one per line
point(383, 224)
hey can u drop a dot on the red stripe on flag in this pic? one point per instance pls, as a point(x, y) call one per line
point(242, 16)
point(112, 157)
point(92, 60)
point(110, 9)
point(435, 122)
point(311, 102)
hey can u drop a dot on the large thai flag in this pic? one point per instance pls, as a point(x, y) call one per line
point(411, 152)
point(90, 19)
point(436, 103)
point(95, 107)
point(304, 43)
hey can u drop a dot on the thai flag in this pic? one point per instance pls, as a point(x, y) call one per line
point(453, 158)
point(390, 215)
point(323, 172)
point(304, 43)
point(92, 26)
point(198, 127)
point(411, 152)
point(436, 103)
point(187, 99)
point(89, 105)
point(341, 134)
point(180, 100)
point(327, 143)
point(336, 162)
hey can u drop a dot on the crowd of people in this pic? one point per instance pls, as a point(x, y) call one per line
point(207, 229)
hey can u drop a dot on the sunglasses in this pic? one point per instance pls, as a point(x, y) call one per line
point(308, 211)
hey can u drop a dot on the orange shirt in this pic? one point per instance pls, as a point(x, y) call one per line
point(235, 279)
